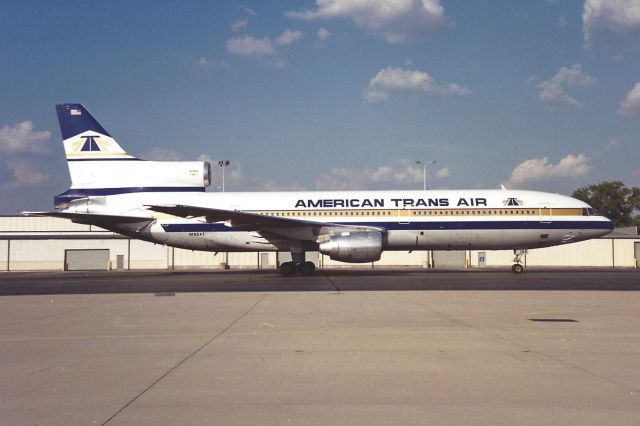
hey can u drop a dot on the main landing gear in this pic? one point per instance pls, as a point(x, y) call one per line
point(304, 268)
point(518, 267)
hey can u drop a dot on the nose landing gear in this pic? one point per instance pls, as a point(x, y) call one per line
point(518, 267)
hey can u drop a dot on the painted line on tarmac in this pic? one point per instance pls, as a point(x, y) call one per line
point(324, 274)
point(188, 357)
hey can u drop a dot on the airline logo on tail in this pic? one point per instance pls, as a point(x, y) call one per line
point(84, 138)
point(92, 145)
point(89, 144)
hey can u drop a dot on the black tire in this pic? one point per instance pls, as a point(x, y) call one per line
point(517, 268)
point(307, 268)
point(287, 269)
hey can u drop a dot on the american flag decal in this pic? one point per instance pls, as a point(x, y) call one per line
point(75, 112)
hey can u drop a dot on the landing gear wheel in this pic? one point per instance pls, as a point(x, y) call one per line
point(517, 267)
point(307, 268)
point(287, 268)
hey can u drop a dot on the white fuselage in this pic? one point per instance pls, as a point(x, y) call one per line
point(410, 220)
point(164, 202)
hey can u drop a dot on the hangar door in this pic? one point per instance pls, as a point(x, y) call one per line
point(86, 260)
point(449, 259)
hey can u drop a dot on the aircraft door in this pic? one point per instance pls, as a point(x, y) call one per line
point(404, 216)
point(546, 213)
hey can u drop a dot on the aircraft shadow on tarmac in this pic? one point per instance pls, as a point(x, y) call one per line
point(333, 280)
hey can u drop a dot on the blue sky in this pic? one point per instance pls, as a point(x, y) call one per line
point(332, 94)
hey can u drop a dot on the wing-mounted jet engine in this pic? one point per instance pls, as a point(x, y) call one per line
point(352, 247)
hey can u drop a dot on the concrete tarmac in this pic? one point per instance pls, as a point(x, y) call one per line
point(344, 347)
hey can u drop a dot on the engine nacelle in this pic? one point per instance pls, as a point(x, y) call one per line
point(353, 247)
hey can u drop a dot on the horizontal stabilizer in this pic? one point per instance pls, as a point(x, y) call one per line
point(94, 219)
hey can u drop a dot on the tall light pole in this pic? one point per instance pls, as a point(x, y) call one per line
point(223, 164)
point(424, 172)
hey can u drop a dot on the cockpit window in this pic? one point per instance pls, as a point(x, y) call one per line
point(590, 211)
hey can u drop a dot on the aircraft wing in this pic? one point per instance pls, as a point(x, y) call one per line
point(266, 225)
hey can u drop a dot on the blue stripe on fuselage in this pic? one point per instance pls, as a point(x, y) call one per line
point(105, 159)
point(415, 226)
point(73, 194)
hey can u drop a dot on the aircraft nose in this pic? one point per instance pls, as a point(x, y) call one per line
point(608, 227)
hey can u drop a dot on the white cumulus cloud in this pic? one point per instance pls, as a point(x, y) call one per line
point(390, 80)
point(162, 154)
point(611, 146)
point(263, 48)
point(611, 24)
point(249, 11)
point(288, 37)
point(630, 106)
point(562, 22)
point(23, 139)
point(538, 169)
point(397, 21)
point(240, 24)
point(210, 64)
point(443, 173)
point(250, 46)
point(25, 174)
point(323, 34)
point(233, 176)
point(553, 92)
point(235, 179)
point(21, 149)
point(269, 185)
point(243, 24)
point(406, 174)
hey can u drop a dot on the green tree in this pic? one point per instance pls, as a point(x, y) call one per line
point(614, 200)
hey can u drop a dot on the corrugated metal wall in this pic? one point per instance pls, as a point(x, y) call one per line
point(48, 254)
point(144, 255)
point(4, 246)
point(32, 224)
point(29, 255)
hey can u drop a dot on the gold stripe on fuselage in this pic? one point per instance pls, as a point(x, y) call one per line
point(503, 212)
